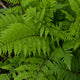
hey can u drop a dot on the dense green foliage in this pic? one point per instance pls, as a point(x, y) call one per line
point(39, 40)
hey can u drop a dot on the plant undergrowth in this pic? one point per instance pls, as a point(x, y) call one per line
point(40, 40)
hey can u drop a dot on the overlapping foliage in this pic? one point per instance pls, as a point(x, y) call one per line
point(39, 40)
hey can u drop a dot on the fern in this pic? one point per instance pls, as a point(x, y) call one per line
point(13, 1)
point(40, 40)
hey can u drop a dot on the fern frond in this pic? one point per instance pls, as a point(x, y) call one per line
point(30, 41)
point(75, 6)
point(41, 68)
point(33, 68)
point(4, 76)
point(64, 53)
point(12, 1)
point(68, 16)
point(40, 41)
point(8, 19)
point(66, 74)
point(14, 10)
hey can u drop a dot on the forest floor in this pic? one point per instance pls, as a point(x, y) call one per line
point(4, 4)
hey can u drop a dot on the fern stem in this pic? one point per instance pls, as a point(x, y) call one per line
point(21, 38)
point(42, 65)
point(21, 6)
